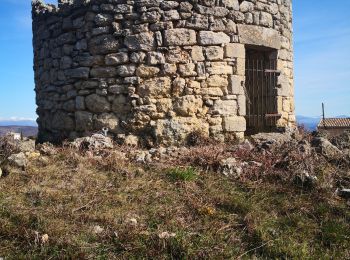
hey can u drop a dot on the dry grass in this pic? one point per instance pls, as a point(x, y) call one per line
point(180, 209)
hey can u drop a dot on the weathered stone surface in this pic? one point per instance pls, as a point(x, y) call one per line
point(155, 58)
point(83, 121)
point(187, 70)
point(326, 148)
point(235, 50)
point(96, 103)
point(197, 53)
point(212, 38)
point(78, 73)
point(219, 68)
point(180, 37)
point(214, 53)
point(155, 87)
point(225, 107)
point(142, 41)
point(236, 85)
point(118, 89)
point(103, 44)
point(260, 36)
point(147, 71)
point(116, 58)
point(212, 92)
point(217, 81)
point(177, 56)
point(62, 121)
point(103, 72)
point(18, 160)
point(107, 120)
point(188, 105)
point(176, 130)
point(126, 70)
point(96, 141)
point(234, 124)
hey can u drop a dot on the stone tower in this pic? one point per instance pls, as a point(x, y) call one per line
point(161, 69)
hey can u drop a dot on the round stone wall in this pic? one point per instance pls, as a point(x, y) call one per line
point(152, 69)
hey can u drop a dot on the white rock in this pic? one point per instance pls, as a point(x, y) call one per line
point(98, 229)
point(166, 235)
point(18, 159)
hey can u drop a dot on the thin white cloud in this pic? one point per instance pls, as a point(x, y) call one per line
point(16, 119)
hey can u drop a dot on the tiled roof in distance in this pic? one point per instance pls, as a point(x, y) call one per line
point(335, 122)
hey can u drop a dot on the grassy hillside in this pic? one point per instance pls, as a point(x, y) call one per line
point(83, 204)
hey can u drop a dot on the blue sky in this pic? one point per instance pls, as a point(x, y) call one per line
point(321, 43)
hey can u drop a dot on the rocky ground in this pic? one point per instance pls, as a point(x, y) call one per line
point(272, 196)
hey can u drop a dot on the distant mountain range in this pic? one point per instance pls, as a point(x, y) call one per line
point(17, 122)
point(25, 130)
point(25, 126)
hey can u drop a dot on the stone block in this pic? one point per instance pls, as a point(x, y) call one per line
point(174, 131)
point(121, 105)
point(108, 120)
point(236, 85)
point(169, 69)
point(219, 68)
point(103, 44)
point(177, 56)
point(197, 53)
point(212, 92)
point(231, 4)
point(126, 70)
point(214, 53)
point(213, 38)
point(118, 89)
point(103, 72)
point(259, 36)
point(116, 58)
point(180, 37)
point(78, 73)
point(266, 19)
point(234, 124)
point(225, 107)
point(187, 70)
point(178, 86)
point(188, 105)
point(217, 81)
point(240, 67)
point(234, 50)
point(97, 104)
point(155, 87)
point(83, 121)
point(142, 41)
point(147, 71)
point(242, 105)
point(80, 103)
point(155, 58)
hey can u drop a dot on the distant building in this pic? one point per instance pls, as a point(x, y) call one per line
point(15, 136)
point(334, 126)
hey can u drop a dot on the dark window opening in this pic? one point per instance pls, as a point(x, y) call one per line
point(261, 90)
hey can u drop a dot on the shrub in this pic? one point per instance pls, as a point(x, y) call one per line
point(179, 174)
